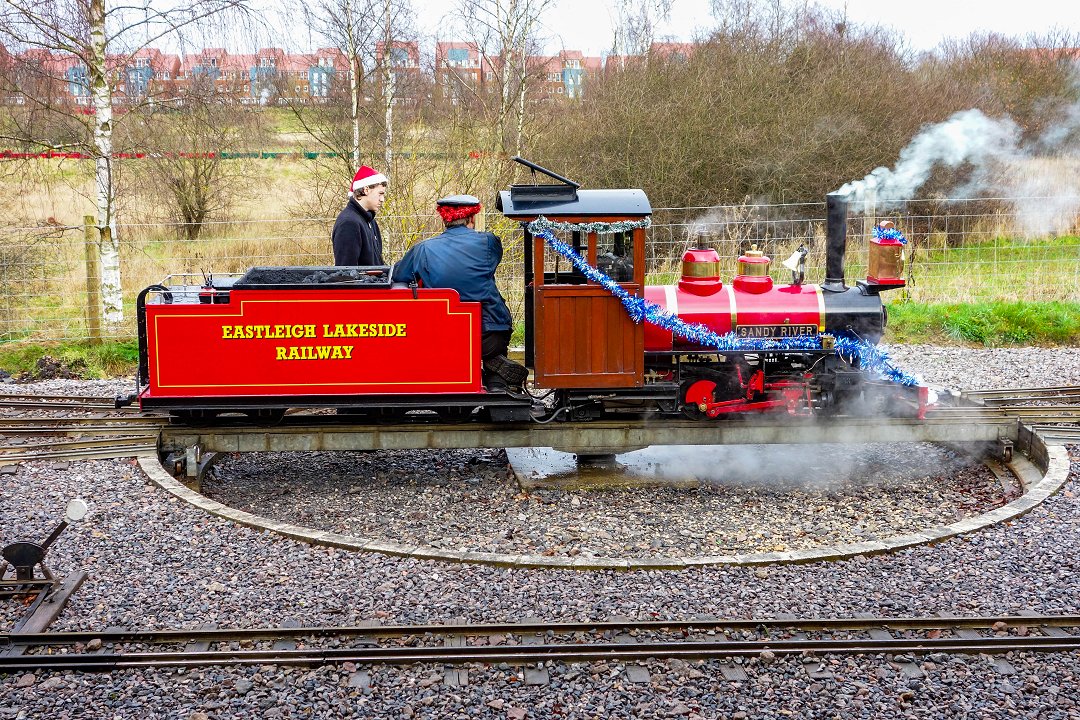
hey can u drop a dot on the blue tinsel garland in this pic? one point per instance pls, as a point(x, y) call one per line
point(892, 233)
point(869, 356)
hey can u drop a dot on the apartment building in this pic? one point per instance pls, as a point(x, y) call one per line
point(461, 72)
point(408, 79)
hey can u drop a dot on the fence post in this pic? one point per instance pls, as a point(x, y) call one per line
point(93, 280)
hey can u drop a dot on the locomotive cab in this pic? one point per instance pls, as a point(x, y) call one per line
point(577, 334)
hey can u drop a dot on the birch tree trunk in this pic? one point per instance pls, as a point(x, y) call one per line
point(353, 50)
point(388, 89)
point(101, 93)
point(519, 141)
point(505, 23)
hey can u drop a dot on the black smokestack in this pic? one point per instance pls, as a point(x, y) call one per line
point(836, 242)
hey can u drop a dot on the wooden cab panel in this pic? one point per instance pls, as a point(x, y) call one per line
point(577, 334)
point(585, 339)
point(582, 335)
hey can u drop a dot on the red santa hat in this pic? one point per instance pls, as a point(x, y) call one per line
point(366, 177)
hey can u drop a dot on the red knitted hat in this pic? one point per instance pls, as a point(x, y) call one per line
point(450, 213)
point(457, 207)
point(366, 177)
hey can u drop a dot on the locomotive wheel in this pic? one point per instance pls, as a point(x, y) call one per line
point(694, 394)
point(692, 412)
point(455, 414)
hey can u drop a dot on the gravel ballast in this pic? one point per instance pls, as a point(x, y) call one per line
point(155, 562)
point(463, 500)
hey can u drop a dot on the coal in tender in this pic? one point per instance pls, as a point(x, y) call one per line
point(290, 277)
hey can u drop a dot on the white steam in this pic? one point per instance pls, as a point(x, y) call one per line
point(824, 467)
point(1040, 177)
point(967, 138)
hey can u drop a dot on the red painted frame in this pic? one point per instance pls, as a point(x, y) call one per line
point(326, 342)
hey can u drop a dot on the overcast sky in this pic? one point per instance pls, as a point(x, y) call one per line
point(586, 25)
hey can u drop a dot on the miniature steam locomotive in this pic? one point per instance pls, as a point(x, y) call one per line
point(349, 338)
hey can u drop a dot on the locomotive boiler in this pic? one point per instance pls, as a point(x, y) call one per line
point(599, 342)
point(752, 306)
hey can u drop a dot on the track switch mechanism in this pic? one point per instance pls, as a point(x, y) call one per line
point(24, 557)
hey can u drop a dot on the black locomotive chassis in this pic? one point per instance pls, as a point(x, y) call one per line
point(666, 392)
point(241, 403)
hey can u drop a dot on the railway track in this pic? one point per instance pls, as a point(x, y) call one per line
point(94, 428)
point(80, 426)
point(60, 402)
point(72, 427)
point(1041, 413)
point(1056, 418)
point(1006, 396)
point(538, 642)
point(79, 449)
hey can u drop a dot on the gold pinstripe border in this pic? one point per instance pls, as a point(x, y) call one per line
point(445, 301)
point(821, 308)
point(734, 310)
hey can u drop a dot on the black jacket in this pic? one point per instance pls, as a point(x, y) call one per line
point(357, 239)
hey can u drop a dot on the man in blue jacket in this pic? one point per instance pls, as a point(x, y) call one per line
point(465, 260)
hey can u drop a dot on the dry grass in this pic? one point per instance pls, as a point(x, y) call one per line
point(962, 258)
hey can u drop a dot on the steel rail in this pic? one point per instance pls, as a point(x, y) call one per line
point(113, 450)
point(46, 396)
point(525, 654)
point(143, 440)
point(1005, 410)
point(72, 422)
point(558, 628)
point(60, 405)
point(78, 430)
point(995, 394)
point(1057, 431)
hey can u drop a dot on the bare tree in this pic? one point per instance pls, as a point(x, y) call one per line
point(367, 32)
point(503, 30)
point(637, 21)
point(749, 113)
point(101, 38)
point(187, 177)
point(387, 57)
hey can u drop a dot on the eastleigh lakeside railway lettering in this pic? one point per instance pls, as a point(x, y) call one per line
point(313, 352)
point(288, 332)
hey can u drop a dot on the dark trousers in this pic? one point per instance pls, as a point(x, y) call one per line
point(494, 343)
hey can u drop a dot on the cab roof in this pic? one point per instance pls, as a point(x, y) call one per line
point(552, 201)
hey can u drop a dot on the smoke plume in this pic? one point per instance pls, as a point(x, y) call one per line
point(1040, 176)
point(967, 138)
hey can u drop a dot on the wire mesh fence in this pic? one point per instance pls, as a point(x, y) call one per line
point(957, 251)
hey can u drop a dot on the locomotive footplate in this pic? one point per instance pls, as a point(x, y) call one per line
point(408, 402)
point(499, 407)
